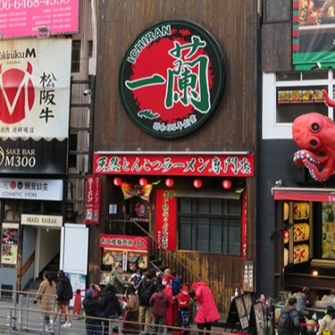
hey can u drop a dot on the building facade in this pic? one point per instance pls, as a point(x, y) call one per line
point(175, 140)
point(295, 210)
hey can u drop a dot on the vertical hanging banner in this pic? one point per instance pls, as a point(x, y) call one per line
point(93, 199)
point(166, 212)
point(34, 105)
point(244, 226)
point(313, 34)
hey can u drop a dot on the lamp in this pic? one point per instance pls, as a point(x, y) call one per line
point(43, 31)
point(143, 181)
point(316, 66)
point(169, 182)
point(117, 181)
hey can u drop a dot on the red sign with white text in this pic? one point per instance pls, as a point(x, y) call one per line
point(124, 242)
point(20, 18)
point(175, 164)
point(166, 212)
point(93, 199)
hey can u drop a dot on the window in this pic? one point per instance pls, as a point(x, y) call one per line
point(288, 95)
point(210, 225)
point(72, 158)
point(75, 61)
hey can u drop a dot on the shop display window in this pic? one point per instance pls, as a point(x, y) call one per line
point(328, 230)
point(291, 94)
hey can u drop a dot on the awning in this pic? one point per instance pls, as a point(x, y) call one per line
point(303, 194)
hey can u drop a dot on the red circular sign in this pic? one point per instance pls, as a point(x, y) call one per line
point(172, 78)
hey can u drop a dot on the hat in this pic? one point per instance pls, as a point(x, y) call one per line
point(194, 286)
point(89, 293)
point(184, 288)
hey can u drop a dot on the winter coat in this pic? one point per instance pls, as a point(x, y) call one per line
point(160, 303)
point(327, 323)
point(132, 302)
point(110, 305)
point(169, 314)
point(46, 294)
point(207, 311)
point(183, 300)
point(64, 289)
point(92, 307)
point(117, 281)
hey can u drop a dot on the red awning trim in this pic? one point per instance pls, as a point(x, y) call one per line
point(303, 194)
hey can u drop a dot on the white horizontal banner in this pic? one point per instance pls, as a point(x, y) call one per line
point(31, 189)
point(41, 220)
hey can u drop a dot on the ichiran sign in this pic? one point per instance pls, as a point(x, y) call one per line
point(172, 78)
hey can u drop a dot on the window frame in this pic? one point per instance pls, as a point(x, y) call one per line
point(270, 128)
point(228, 221)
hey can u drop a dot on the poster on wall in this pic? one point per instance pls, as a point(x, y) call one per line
point(313, 34)
point(10, 234)
point(34, 105)
point(166, 211)
point(78, 282)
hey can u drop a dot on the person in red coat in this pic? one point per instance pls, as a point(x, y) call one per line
point(207, 312)
point(169, 293)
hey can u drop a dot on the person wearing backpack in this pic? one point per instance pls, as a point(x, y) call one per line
point(64, 295)
point(146, 289)
point(289, 323)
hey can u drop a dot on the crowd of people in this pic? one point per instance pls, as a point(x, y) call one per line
point(146, 303)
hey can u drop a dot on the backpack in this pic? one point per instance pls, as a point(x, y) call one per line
point(285, 324)
point(176, 286)
point(146, 293)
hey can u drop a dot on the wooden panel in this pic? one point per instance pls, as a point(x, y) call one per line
point(221, 273)
point(233, 125)
point(277, 10)
point(277, 47)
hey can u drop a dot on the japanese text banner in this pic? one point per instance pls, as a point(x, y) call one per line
point(183, 164)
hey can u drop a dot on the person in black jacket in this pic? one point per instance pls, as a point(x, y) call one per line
point(64, 295)
point(145, 290)
point(294, 322)
point(92, 306)
point(111, 307)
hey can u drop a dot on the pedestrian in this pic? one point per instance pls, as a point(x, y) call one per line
point(327, 323)
point(183, 301)
point(92, 307)
point(131, 313)
point(64, 295)
point(289, 323)
point(116, 279)
point(111, 307)
point(207, 312)
point(303, 301)
point(160, 303)
point(136, 277)
point(46, 294)
point(145, 290)
point(170, 317)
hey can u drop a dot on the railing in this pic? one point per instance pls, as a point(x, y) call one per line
point(20, 315)
point(166, 257)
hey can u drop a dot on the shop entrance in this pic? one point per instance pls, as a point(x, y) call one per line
point(47, 251)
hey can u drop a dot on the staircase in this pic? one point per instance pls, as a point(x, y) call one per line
point(52, 268)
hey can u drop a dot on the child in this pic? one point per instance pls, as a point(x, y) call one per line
point(183, 300)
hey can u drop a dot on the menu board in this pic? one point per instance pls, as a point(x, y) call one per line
point(247, 303)
point(10, 233)
point(259, 318)
point(242, 313)
point(299, 96)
